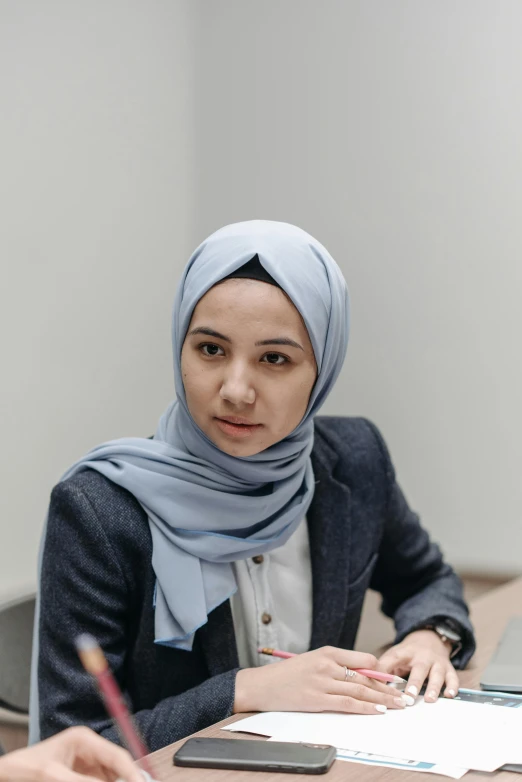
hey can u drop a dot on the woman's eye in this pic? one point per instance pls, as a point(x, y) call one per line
point(210, 349)
point(275, 358)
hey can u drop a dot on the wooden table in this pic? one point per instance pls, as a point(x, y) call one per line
point(490, 613)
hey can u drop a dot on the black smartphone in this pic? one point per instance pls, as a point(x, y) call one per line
point(252, 755)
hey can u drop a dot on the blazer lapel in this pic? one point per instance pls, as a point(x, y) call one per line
point(218, 642)
point(330, 531)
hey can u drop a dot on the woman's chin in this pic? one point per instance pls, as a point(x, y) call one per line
point(240, 448)
point(236, 447)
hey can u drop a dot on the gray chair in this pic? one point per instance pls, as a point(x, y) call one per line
point(16, 637)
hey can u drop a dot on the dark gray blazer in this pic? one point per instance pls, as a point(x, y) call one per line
point(97, 577)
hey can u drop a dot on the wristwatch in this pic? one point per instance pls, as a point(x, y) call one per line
point(448, 632)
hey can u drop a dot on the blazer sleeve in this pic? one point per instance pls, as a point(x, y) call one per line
point(416, 584)
point(84, 589)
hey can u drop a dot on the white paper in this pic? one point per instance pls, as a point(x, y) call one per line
point(397, 763)
point(448, 733)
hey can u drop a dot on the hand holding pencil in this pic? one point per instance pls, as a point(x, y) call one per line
point(326, 679)
point(389, 678)
point(94, 662)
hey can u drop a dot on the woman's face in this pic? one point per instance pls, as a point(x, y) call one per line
point(248, 366)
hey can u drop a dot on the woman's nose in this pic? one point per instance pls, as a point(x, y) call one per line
point(237, 387)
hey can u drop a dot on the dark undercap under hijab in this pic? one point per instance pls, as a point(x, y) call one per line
point(252, 270)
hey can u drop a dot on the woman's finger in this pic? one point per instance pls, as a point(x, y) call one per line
point(452, 683)
point(435, 681)
point(389, 658)
point(92, 750)
point(349, 705)
point(57, 772)
point(374, 684)
point(392, 699)
point(345, 674)
point(352, 659)
point(417, 677)
point(393, 662)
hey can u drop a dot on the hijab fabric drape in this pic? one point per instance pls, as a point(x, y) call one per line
point(206, 508)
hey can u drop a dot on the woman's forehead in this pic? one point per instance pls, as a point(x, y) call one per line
point(246, 301)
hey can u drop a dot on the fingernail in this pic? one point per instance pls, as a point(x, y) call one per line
point(413, 690)
point(380, 708)
point(432, 695)
point(451, 693)
point(400, 702)
point(408, 700)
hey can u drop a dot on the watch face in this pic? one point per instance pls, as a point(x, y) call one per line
point(451, 635)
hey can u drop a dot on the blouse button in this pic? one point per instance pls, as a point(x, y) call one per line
point(266, 618)
point(259, 559)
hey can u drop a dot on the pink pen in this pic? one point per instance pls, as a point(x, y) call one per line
point(382, 677)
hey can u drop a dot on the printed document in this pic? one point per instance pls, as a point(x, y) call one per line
point(454, 734)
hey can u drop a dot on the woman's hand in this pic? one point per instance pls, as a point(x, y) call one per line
point(76, 755)
point(423, 655)
point(316, 681)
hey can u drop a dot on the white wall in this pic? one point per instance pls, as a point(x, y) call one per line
point(96, 198)
point(392, 131)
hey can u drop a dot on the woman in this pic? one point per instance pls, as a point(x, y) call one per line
point(245, 522)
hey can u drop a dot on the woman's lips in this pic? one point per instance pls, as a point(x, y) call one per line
point(234, 428)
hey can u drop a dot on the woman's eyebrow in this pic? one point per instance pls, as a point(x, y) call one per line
point(275, 341)
point(280, 341)
point(209, 333)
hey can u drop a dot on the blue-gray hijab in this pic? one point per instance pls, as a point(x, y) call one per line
point(206, 508)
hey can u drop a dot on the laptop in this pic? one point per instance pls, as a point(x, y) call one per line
point(504, 671)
